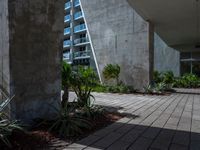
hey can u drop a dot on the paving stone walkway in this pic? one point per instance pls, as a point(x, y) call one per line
point(154, 123)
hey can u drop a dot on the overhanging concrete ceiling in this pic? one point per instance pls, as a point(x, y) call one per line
point(177, 22)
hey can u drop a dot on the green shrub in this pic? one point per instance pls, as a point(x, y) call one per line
point(187, 81)
point(168, 77)
point(157, 77)
point(111, 71)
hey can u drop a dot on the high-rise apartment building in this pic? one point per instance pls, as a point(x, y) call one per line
point(77, 46)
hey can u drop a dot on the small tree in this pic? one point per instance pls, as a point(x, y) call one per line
point(111, 71)
point(66, 72)
point(82, 81)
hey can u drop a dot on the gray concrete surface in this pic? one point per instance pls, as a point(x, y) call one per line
point(154, 123)
point(165, 58)
point(35, 44)
point(4, 46)
point(119, 35)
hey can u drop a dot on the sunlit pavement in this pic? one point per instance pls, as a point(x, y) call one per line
point(153, 122)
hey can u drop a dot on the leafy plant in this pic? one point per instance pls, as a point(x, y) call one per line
point(66, 72)
point(92, 112)
point(157, 77)
point(168, 77)
point(82, 82)
point(111, 71)
point(149, 89)
point(187, 81)
point(158, 88)
point(68, 123)
point(7, 126)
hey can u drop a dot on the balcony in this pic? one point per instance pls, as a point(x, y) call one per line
point(66, 43)
point(81, 54)
point(66, 56)
point(67, 31)
point(79, 28)
point(78, 15)
point(81, 41)
point(67, 18)
point(76, 3)
point(67, 5)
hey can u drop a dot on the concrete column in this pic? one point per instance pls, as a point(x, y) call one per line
point(151, 50)
point(33, 50)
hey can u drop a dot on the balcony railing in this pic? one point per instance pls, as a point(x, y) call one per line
point(82, 54)
point(79, 28)
point(78, 15)
point(76, 3)
point(67, 5)
point(81, 40)
point(66, 55)
point(67, 31)
point(66, 43)
point(67, 18)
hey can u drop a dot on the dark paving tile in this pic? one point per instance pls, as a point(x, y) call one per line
point(141, 144)
point(131, 136)
point(195, 145)
point(151, 132)
point(182, 138)
point(106, 141)
point(119, 145)
point(178, 147)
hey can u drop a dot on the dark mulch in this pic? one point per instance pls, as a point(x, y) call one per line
point(40, 138)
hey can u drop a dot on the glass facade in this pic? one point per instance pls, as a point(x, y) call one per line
point(78, 15)
point(190, 63)
point(67, 18)
point(67, 31)
point(80, 27)
point(67, 5)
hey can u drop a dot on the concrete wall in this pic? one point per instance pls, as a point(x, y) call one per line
point(166, 58)
point(4, 46)
point(36, 35)
point(119, 35)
